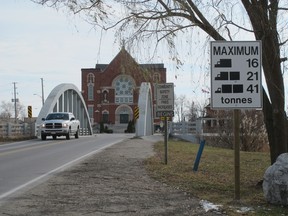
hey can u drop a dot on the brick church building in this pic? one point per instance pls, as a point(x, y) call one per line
point(111, 90)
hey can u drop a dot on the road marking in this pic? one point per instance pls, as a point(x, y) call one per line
point(58, 169)
point(25, 148)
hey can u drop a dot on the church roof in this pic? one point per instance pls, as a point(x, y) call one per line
point(127, 61)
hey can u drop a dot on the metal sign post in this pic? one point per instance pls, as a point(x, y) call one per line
point(166, 140)
point(165, 108)
point(236, 84)
point(236, 115)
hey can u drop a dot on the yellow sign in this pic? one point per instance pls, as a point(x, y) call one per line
point(30, 111)
point(136, 112)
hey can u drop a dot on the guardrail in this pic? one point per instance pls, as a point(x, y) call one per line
point(183, 127)
point(15, 130)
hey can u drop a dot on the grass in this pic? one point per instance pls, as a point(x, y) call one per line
point(214, 180)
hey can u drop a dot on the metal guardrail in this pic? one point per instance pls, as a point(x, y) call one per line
point(14, 130)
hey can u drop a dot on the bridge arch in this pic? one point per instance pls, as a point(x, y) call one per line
point(144, 125)
point(67, 98)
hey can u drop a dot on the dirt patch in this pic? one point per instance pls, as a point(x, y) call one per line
point(112, 182)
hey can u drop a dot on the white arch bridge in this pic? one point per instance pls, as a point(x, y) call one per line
point(67, 98)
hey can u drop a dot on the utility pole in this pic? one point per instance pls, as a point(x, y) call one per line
point(15, 100)
point(42, 91)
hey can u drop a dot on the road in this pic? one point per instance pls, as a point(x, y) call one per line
point(27, 163)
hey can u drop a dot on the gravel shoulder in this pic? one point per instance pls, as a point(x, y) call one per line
point(112, 182)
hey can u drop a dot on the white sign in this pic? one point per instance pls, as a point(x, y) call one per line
point(165, 97)
point(236, 74)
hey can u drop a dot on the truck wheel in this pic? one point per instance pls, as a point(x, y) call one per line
point(54, 137)
point(77, 134)
point(68, 136)
point(43, 137)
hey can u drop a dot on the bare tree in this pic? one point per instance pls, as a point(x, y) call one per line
point(219, 20)
point(180, 104)
point(194, 111)
point(7, 110)
point(253, 132)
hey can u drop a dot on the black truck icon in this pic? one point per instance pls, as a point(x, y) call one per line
point(238, 88)
point(224, 63)
point(232, 75)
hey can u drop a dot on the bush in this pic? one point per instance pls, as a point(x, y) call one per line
point(130, 127)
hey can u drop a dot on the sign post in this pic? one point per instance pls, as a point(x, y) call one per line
point(236, 84)
point(165, 108)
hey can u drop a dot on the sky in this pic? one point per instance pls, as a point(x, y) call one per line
point(38, 42)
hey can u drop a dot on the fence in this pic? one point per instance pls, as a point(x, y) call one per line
point(15, 130)
point(194, 127)
point(202, 128)
point(189, 131)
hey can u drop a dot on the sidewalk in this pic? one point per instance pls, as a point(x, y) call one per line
point(112, 182)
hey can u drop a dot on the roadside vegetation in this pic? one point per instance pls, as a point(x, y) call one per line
point(16, 139)
point(214, 180)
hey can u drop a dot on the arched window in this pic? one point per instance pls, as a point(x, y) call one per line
point(90, 91)
point(91, 111)
point(123, 89)
point(90, 78)
point(90, 86)
point(105, 116)
point(156, 77)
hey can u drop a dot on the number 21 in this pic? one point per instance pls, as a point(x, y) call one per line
point(251, 76)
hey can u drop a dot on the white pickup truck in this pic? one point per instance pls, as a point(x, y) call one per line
point(60, 124)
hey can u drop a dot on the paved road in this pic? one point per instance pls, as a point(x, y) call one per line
point(28, 163)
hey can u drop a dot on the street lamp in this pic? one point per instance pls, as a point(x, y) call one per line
point(41, 98)
point(42, 86)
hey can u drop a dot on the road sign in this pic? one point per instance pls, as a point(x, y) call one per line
point(30, 111)
point(165, 99)
point(236, 74)
point(136, 112)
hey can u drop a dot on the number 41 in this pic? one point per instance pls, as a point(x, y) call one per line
point(252, 88)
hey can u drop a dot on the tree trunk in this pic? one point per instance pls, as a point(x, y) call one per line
point(264, 22)
point(287, 132)
point(274, 129)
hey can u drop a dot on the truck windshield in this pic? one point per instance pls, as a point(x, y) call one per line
point(57, 116)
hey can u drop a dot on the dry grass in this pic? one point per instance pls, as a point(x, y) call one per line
point(214, 180)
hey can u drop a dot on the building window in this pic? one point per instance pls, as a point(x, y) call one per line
point(105, 117)
point(90, 111)
point(156, 77)
point(90, 92)
point(90, 78)
point(123, 89)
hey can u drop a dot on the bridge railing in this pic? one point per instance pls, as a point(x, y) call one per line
point(183, 127)
point(17, 130)
point(194, 131)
